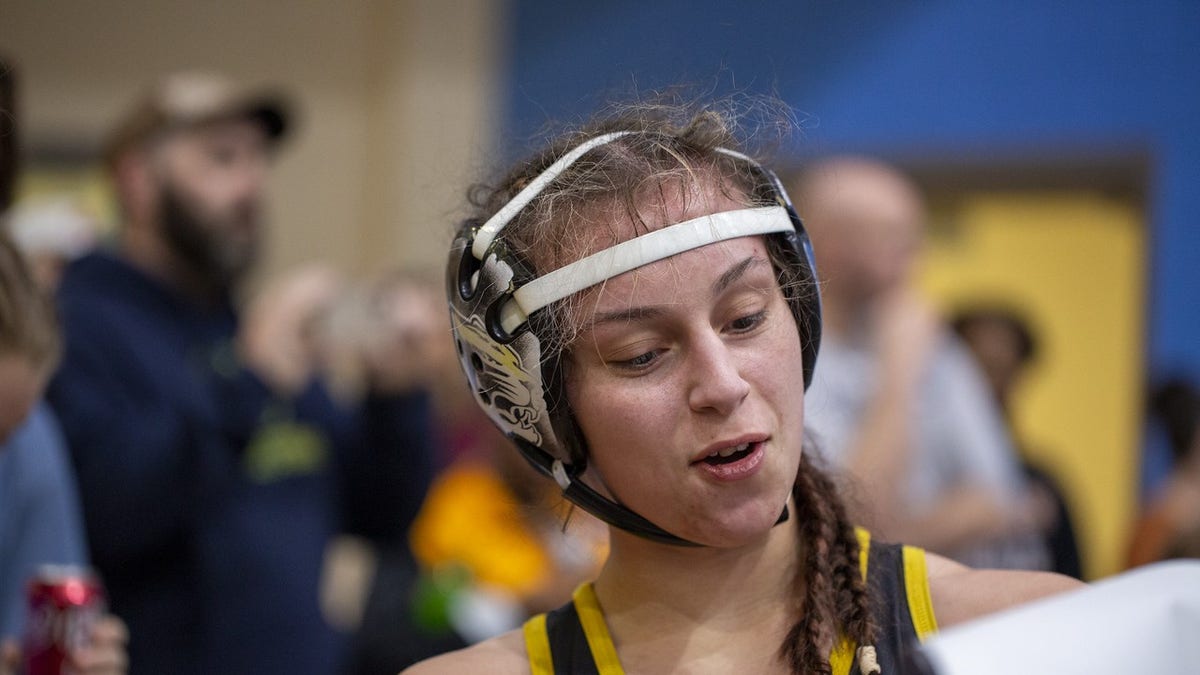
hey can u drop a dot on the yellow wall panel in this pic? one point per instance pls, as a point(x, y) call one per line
point(1073, 262)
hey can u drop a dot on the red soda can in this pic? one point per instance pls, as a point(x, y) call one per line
point(64, 602)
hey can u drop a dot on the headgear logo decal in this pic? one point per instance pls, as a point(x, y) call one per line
point(502, 382)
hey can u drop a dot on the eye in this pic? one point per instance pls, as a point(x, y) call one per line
point(745, 324)
point(638, 362)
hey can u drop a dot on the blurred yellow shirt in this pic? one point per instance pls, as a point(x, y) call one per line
point(472, 519)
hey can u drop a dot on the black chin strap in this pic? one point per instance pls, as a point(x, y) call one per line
point(583, 496)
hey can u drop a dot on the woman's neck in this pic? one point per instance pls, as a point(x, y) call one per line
point(701, 609)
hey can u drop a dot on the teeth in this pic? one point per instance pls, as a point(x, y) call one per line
point(729, 451)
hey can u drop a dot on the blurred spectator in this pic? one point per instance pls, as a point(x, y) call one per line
point(1005, 347)
point(50, 234)
point(490, 543)
point(39, 508)
point(213, 466)
point(896, 400)
point(491, 516)
point(1169, 526)
point(399, 313)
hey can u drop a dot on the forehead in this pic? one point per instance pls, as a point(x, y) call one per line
point(653, 206)
point(612, 219)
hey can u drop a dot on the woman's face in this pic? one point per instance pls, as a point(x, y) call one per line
point(687, 383)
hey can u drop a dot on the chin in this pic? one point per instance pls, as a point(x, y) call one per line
point(742, 526)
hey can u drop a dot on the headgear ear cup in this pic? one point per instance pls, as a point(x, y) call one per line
point(496, 298)
point(803, 292)
point(799, 264)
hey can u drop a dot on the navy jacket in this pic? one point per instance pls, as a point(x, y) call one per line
point(208, 501)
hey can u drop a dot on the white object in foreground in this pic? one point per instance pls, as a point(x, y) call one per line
point(1143, 621)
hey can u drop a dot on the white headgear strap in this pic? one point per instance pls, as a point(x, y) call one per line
point(636, 252)
point(487, 233)
point(622, 257)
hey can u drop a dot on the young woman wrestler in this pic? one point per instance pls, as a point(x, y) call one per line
point(636, 308)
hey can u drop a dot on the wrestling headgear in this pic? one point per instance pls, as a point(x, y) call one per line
point(495, 295)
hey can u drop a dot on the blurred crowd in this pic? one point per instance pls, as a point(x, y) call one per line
point(204, 445)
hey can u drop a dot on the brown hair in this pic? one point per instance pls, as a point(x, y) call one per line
point(27, 322)
point(674, 145)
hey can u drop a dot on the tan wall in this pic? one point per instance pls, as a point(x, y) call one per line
point(395, 98)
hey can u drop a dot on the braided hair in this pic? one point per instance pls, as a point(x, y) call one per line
point(835, 596)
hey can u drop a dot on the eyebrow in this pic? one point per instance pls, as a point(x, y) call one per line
point(630, 314)
point(641, 313)
point(733, 274)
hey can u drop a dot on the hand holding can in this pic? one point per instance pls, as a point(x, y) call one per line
point(66, 607)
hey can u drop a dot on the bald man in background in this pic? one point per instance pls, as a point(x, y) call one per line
point(896, 401)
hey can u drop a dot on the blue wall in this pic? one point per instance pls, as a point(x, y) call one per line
point(983, 77)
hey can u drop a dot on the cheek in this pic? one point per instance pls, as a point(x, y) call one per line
point(619, 421)
point(595, 410)
point(781, 378)
point(215, 199)
point(209, 194)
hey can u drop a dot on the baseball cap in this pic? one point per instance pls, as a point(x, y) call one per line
point(189, 98)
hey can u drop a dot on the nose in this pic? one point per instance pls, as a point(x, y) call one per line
point(716, 382)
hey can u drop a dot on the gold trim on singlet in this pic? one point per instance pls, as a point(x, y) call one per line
point(537, 646)
point(604, 653)
point(916, 586)
point(842, 656)
point(864, 546)
point(591, 617)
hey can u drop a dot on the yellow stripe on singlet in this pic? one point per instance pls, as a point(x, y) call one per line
point(604, 653)
point(916, 587)
point(864, 547)
point(537, 646)
point(842, 655)
point(591, 617)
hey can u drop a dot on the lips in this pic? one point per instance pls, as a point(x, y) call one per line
point(731, 460)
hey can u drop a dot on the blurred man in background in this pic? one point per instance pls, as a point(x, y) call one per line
point(213, 466)
point(896, 401)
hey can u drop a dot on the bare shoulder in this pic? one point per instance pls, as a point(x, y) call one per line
point(961, 593)
point(502, 655)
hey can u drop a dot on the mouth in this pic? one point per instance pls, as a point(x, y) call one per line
point(731, 450)
point(728, 455)
point(732, 460)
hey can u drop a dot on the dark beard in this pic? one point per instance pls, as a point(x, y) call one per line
point(196, 240)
